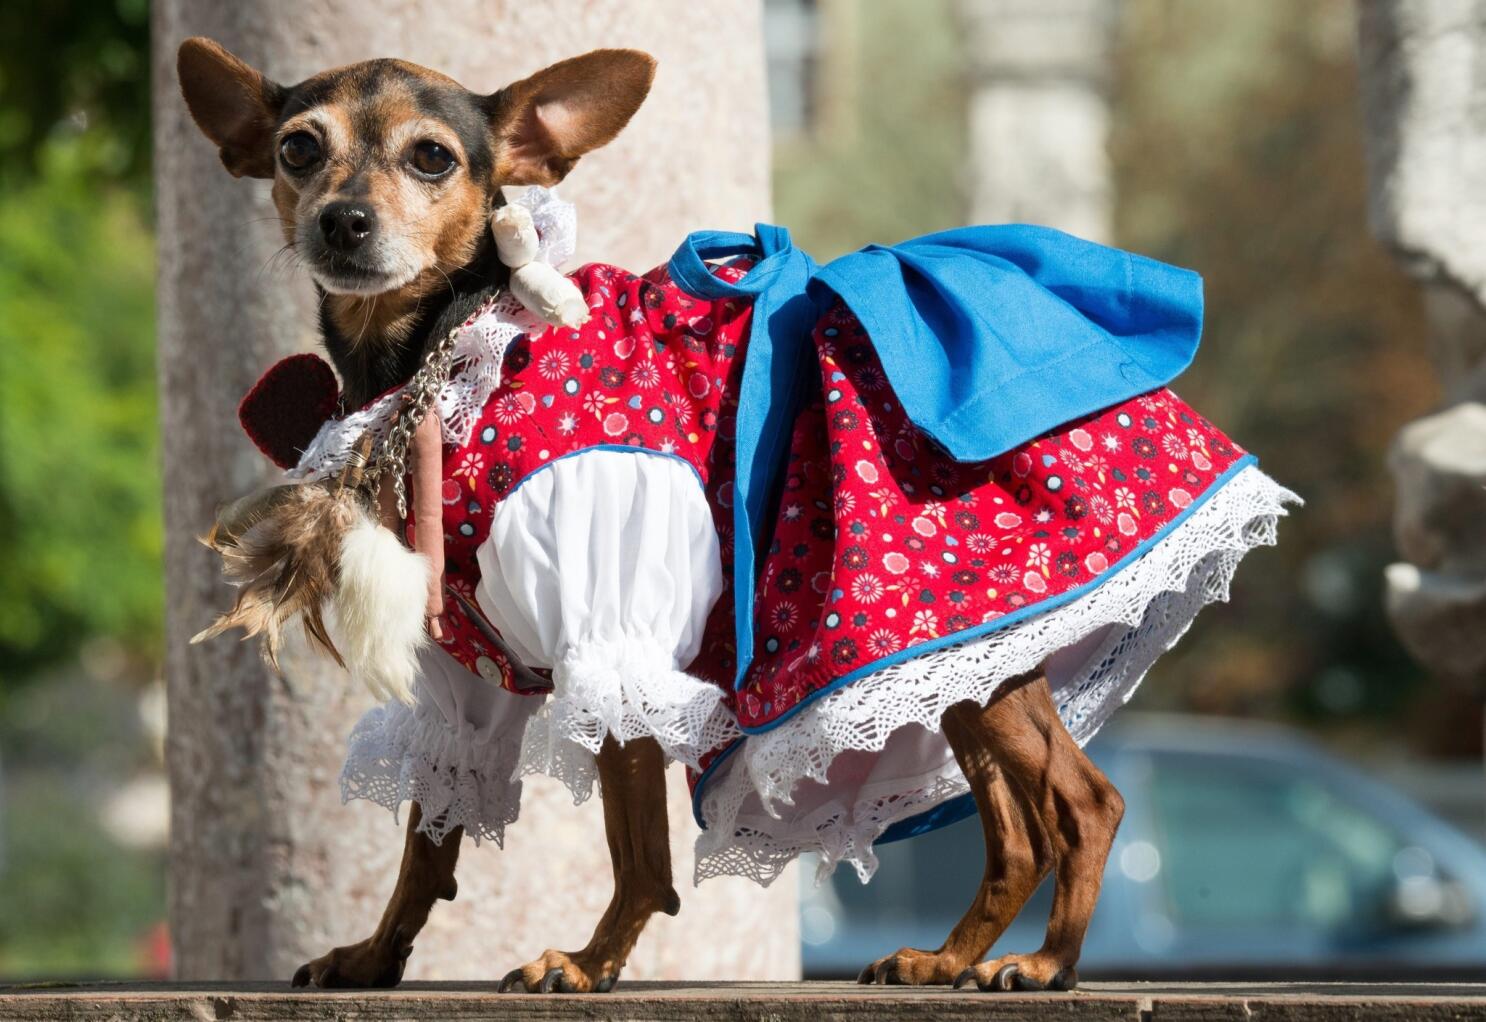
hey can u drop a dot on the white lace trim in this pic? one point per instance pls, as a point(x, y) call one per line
point(629, 689)
point(1155, 599)
point(398, 753)
point(478, 354)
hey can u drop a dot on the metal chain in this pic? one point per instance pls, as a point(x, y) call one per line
point(418, 397)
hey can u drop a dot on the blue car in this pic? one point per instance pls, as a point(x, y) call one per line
point(1246, 852)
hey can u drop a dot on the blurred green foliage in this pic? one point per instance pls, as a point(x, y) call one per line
point(79, 479)
point(80, 543)
point(75, 71)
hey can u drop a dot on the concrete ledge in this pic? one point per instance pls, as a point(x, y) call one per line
point(753, 1002)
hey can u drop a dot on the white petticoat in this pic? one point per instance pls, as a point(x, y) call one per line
point(604, 566)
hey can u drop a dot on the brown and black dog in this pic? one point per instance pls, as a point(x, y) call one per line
point(384, 175)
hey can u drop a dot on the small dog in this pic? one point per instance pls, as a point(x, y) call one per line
point(384, 174)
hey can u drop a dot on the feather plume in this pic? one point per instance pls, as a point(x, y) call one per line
point(281, 548)
point(314, 551)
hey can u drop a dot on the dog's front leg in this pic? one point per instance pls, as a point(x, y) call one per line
point(426, 875)
point(633, 780)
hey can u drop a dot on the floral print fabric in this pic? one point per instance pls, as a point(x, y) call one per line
point(650, 369)
point(883, 545)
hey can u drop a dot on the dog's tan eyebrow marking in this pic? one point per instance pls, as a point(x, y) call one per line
point(327, 121)
point(409, 132)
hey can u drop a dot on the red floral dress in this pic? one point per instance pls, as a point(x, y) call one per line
point(883, 545)
point(651, 369)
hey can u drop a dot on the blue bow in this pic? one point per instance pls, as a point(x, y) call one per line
point(990, 336)
point(775, 369)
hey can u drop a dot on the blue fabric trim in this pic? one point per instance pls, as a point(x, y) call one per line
point(706, 776)
point(967, 635)
point(949, 811)
point(623, 448)
point(775, 368)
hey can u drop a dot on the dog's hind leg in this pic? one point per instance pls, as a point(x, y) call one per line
point(1017, 858)
point(633, 780)
point(426, 875)
point(1079, 812)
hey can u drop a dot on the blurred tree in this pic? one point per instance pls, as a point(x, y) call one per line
point(1238, 151)
point(81, 70)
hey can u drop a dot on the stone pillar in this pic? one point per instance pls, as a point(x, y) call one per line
point(266, 867)
point(1039, 113)
point(1425, 106)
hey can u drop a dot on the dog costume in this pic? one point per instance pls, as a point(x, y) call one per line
point(780, 517)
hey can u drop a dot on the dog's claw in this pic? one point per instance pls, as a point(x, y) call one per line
point(554, 980)
point(606, 984)
point(1022, 981)
point(865, 976)
point(511, 981)
point(1012, 977)
point(301, 976)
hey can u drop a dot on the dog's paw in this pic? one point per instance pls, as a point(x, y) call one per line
point(372, 963)
point(1020, 972)
point(559, 973)
point(911, 967)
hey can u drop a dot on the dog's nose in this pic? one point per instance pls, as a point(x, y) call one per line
point(347, 224)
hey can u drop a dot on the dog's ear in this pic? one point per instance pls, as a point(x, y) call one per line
point(233, 105)
point(544, 123)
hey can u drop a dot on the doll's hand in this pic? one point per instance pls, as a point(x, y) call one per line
point(434, 609)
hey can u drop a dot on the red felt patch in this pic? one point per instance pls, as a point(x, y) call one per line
point(287, 407)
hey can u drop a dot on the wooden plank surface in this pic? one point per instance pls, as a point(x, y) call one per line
point(753, 1002)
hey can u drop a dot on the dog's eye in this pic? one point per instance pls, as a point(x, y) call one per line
point(431, 159)
point(299, 151)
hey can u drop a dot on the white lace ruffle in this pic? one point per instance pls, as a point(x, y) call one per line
point(478, 353)
point(398, 754)
point(1118, 630)
point(462, 752)
point(627, 689)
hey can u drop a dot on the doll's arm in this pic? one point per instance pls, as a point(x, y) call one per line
point(544, 291)
point(428, 507)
